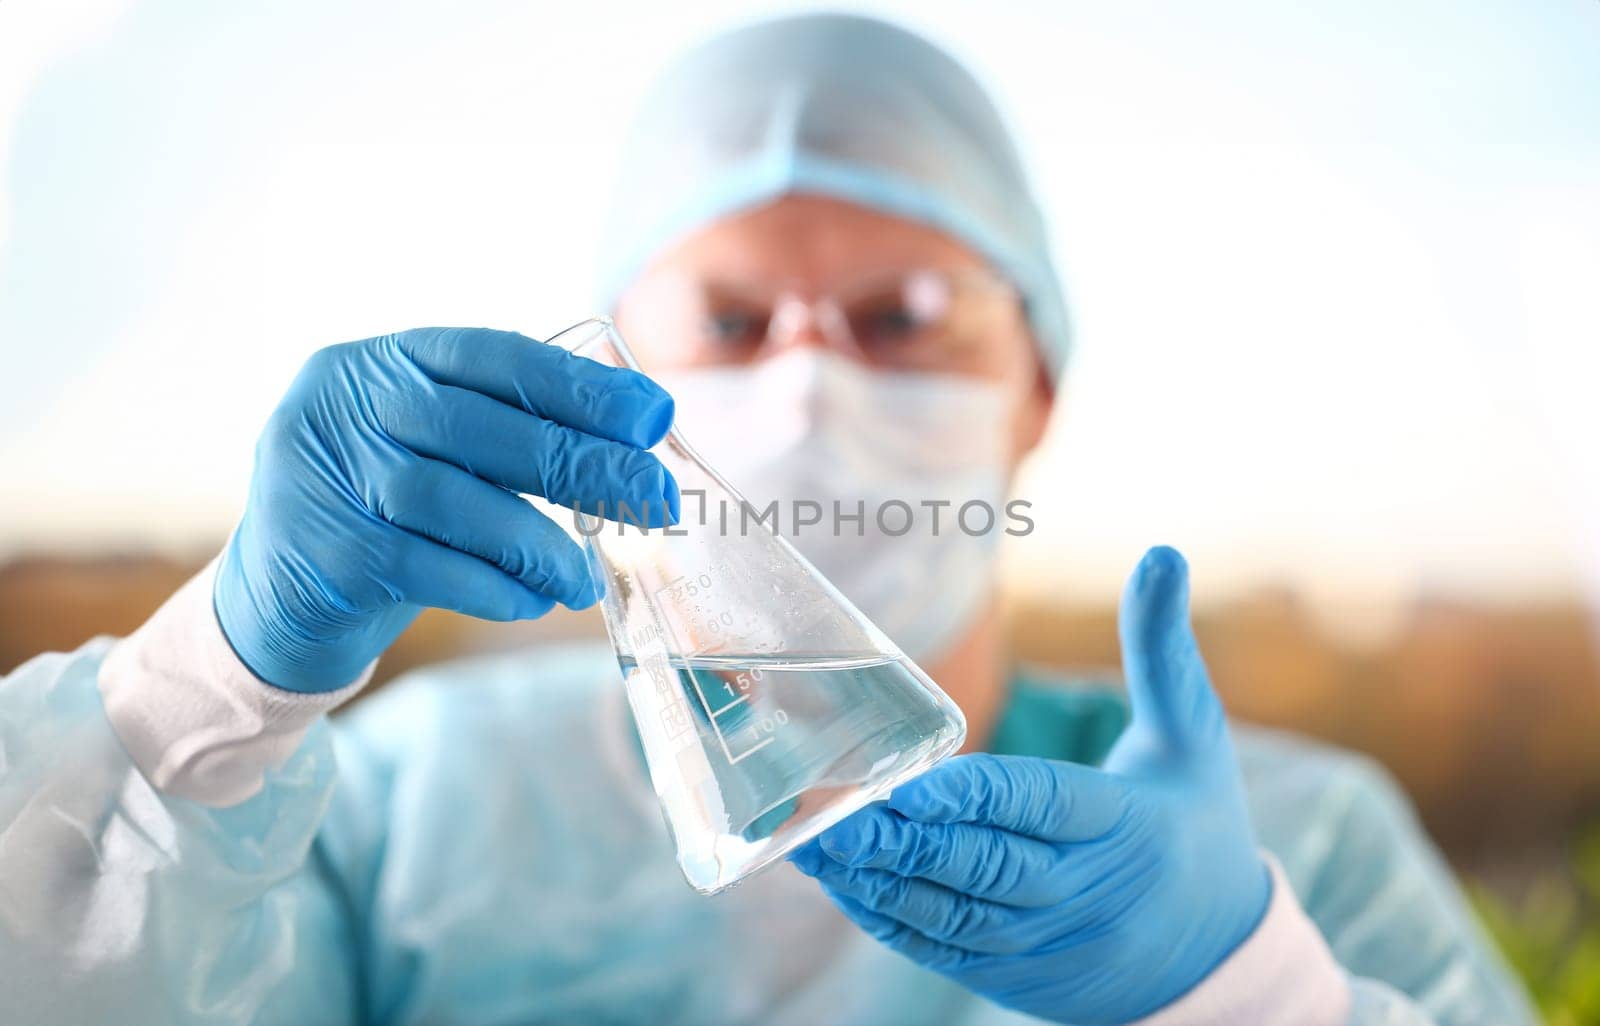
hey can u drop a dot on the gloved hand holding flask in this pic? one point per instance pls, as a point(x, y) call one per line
point(386, 481)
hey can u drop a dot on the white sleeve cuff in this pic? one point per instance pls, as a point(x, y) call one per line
point(193, 718)
point(1282, 975)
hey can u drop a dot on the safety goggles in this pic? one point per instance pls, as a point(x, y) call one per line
point(921, 319)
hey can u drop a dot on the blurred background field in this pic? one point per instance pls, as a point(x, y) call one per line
point(1488, 714)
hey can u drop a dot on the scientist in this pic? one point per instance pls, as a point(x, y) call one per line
point(824, 247)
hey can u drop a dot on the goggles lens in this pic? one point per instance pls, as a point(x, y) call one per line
point(920, 319)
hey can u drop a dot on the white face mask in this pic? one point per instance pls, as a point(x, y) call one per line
point(810, 425)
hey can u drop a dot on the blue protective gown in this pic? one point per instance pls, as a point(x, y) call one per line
point(489, 850)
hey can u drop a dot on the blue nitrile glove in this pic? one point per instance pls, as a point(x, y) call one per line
point(1070, 893)
point(385, 482)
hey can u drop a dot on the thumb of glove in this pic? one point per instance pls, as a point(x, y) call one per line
point(1174, 706)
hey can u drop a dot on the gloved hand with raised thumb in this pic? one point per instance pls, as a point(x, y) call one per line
point(1075, 894)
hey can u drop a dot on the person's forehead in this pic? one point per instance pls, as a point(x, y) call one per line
point(812, 240)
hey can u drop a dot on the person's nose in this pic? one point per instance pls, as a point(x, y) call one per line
point(795, 323)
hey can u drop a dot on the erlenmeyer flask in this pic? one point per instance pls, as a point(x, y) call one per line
point(769, 708)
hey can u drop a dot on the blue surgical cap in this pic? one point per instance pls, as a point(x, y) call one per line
point(840, 106)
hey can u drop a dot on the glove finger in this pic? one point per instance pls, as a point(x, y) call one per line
point(1041, 798)
point(936, 912)
point(546, 381)
point(426, 573)
point(1079, 883)
point(980, 861)
point(897, 936)
point(526, 453)
point(1168, 686)
point(450, 506)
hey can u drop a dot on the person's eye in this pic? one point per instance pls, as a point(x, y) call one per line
point(733, 328)
point(885, 323)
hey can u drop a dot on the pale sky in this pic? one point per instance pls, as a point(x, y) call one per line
point(1333, 265)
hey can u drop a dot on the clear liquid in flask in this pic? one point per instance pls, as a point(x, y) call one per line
point(751, 756)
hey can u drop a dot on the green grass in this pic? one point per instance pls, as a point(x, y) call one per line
point(1552, 935)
